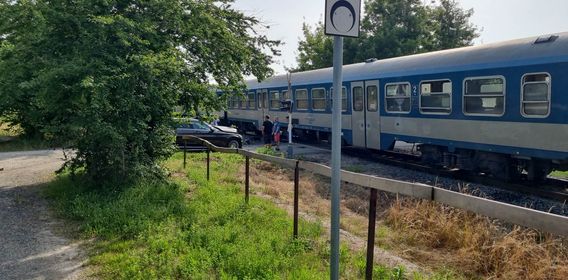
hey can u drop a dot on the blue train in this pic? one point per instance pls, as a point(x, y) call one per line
point(499, 109)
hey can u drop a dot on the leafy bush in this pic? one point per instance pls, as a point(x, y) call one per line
point(103, 77)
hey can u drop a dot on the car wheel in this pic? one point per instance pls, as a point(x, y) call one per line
point(233, 144)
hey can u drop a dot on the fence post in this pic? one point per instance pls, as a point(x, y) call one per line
point(247, 175)
point(208, 160)
point(296, 197)
point(184, 152)
point(371, 234)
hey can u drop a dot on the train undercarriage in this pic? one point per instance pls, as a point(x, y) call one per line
point(501, 166)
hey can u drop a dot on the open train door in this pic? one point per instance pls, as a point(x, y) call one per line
point(365, 119)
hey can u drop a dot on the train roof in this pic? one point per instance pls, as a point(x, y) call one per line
point(527, 51)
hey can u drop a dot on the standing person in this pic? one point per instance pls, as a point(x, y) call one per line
point(267, 130)
point(276, 133)
point(215, 121)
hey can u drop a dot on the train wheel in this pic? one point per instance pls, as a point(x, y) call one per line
point(537, 171)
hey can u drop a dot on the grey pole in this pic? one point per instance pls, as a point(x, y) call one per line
point(290, 151)
point(336, 154)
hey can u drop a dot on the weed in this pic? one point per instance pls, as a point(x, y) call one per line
point(355, 168)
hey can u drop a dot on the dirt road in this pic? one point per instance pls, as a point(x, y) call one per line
point(31, 246)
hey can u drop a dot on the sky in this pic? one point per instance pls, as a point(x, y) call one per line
point(497, 20)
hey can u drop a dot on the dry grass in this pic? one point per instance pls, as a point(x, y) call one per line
point(431, 235)
point(477, 245)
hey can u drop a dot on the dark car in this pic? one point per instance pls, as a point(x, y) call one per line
point(220, 136)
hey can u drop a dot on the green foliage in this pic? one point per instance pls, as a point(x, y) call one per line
point(102, 77)
point(269, 151)
point(172, 231)
point(316, 50)
point(392, 28)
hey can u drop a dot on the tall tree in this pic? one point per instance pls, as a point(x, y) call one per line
point(451, 26)
point(392, 28)
point(102, 76)
point(316, 50)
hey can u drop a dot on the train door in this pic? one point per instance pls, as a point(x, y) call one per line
point(262, 105)
point(372, 115)
point(358, 114)
point(365, 119)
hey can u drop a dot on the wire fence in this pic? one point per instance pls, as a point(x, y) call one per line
point(547, 222)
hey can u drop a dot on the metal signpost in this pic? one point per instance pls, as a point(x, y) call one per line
point(290, 151)
point(341, 20)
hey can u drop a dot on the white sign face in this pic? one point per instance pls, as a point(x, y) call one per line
point(342, 17)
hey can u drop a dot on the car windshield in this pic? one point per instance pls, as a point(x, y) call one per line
point(200, 125)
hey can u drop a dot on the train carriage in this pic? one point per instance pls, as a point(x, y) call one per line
point(497, 108)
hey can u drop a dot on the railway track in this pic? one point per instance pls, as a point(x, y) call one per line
point(551, 188)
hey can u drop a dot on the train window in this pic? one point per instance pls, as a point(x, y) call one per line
point(358, 99)
point(343, 98)
point(251, 100)
point(484, 96)
point(274, 100)
point(318, 99)
point(372, 99)
point(243, 101)
point(436, 97)
point(302, 99)
point(535, 97)
point(234, 102)
point(262, 102)
point(285, 95)
point(398, 98)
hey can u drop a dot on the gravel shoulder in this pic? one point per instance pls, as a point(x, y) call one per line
point(32, 245)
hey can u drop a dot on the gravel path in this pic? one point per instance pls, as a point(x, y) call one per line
point(31, 245)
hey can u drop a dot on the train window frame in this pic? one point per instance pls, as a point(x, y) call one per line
point(270, 100)
point(307, 99)
point(366, 96)
point(437, 93)
point(234, 102)
point(243, 101)
point(394, 97)
point(504, 95)
point(284, 95)
point(324, 99)
point(549, 95)
point(344, 99)
point(362, 97)
point(251, 101)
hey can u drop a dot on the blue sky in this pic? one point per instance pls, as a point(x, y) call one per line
point(497, 20)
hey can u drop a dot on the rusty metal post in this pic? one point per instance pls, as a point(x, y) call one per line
point(208, 160)
point(296, 197)
point(371, 234)
point(247, 176)
point(184, 152)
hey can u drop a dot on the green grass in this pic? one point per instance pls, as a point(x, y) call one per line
point(10, 140)
point(271, 151)
point(560, 174)
point(193, 229)
point(21, 144)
